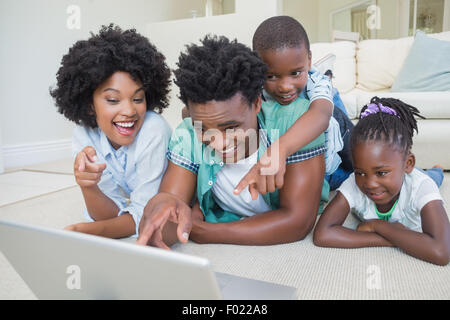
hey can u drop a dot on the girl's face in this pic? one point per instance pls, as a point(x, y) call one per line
point(120, 107)
point(287, 73)
point(379, 171)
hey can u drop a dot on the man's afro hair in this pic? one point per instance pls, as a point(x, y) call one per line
point(90, 62)
point(217, 70)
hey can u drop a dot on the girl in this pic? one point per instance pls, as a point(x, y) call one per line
point(110, 86)
point(399, 205)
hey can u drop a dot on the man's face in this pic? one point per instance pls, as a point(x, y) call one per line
point(287, 73)
point(230, 127)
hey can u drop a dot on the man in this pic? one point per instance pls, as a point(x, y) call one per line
point(221, 82)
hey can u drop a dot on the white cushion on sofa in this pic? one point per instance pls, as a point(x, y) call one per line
point(430, 146)
point(441, 36)
point(344, 70)
point(379, 61)
point(432, 105)
point(351, 104)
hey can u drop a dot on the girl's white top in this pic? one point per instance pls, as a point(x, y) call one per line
point(417, 190)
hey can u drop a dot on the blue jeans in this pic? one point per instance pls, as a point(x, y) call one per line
point(336, 178)
point(338, 102)
point(436, 174)
point(346, 128)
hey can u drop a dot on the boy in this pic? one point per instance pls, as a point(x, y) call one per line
point(283, 45)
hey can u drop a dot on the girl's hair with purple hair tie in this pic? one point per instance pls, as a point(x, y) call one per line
point(373, 108)
point(388, 120)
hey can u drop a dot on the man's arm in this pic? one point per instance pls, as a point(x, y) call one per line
point(167, 215)
point(299, 200)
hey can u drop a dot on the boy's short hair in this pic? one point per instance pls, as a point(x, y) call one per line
point(90, 62)
point(278, 33)
point(217, 70)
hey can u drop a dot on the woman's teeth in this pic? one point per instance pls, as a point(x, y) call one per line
point(125, 124)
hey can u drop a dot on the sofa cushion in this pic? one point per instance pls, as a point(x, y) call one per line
point(344, 70)
point(379, 61)
point(350, 102)
point(430, 145)
point(432, 105)
point(427, 67)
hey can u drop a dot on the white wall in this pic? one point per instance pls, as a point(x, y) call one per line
point(391, 27)
point(446, 24)
point(392, 20)
point(240, 25)
point(34, 37)
point(306, 12)
point(2, 168)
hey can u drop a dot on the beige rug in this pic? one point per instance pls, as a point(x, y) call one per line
point(21, 185)
point(318, 273)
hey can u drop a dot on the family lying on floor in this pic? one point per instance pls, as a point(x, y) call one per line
point(260, 147)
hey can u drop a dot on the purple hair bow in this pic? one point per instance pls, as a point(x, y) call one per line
point(375, 108)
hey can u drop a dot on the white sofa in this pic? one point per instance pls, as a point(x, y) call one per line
point(369, 68)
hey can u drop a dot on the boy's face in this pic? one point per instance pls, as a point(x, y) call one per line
point(379, 172)
point(120, 107)
point(230, 127)
point(287, 72)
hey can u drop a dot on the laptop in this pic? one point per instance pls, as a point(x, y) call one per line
point(60, 264)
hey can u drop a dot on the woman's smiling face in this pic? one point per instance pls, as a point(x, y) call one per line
point(120, 106)
point(379, 171)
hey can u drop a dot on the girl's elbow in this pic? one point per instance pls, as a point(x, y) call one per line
point(321, 234)
point(441, 256)
point(319, 238)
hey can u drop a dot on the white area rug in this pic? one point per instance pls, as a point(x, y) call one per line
point(22, 185)
point(318, 273)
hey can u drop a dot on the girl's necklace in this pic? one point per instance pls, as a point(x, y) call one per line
point(386, 215)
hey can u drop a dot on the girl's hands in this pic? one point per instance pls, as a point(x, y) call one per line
point(370, 225)
point(87, 172)
point(367, 226)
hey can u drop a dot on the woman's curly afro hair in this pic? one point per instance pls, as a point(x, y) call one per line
point(217, 70)
point(90, 62)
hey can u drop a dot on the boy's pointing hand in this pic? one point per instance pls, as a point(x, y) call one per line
point(266, 175)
